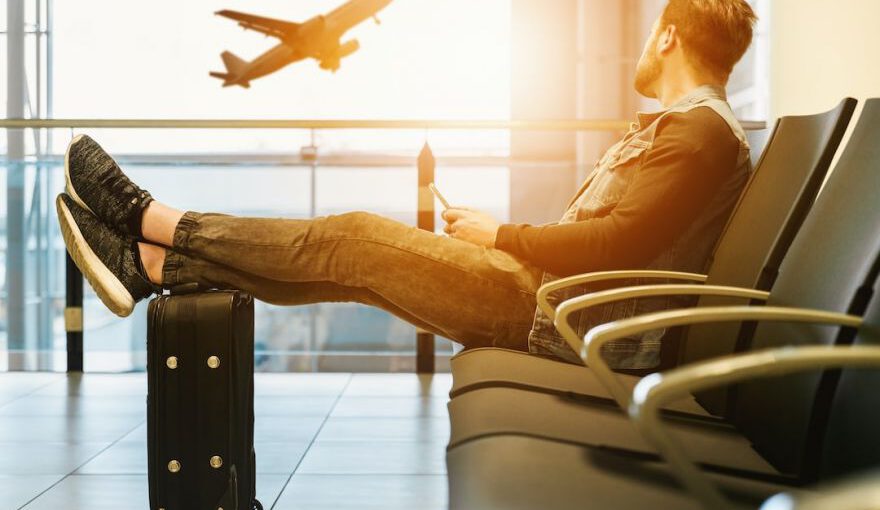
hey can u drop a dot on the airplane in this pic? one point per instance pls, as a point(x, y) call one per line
point(318, 38)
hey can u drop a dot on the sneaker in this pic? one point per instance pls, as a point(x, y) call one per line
point(105, 257)
point(97, 184)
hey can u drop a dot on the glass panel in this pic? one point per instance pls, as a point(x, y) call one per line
point(34, 337)
point(402, 71)
point(3, 76)
point(4, 302)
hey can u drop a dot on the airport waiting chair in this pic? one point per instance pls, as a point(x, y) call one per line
point(838, 238)
point(771, 209)
point(513, 472)
point(856, 493)
point(795, 410)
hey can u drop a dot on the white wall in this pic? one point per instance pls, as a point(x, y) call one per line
point(821, 51)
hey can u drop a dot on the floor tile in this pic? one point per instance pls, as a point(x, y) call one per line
point(300, 384)
point(293, 406)
point(57, 405)
point(386, 492)
point(15, 491)
point(390, 407)
point(267, 429)
point(120, 459)
point(14, 385)
point(20, 383)
point(130, 458)
point(67, 428)
point(98, 385)
point(386, 457)
point(279, 458)
point(123, 492)
point(385, 429)
point(269, 488)
point(138, 435)
point(389, 385)
point(81, 492)
point(286, 429)
point(45, 458)
point(383, 445)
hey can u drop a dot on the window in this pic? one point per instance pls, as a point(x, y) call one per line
point(122, 60)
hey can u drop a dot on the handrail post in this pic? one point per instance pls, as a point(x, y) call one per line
point(427, 165)
point(73, 316)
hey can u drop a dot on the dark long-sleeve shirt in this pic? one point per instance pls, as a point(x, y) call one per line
point(692, 155)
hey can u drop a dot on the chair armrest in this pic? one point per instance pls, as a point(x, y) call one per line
point(657, 390)
point(853, 493)
point(543, 295)
point(591, 351)
point(566, 308)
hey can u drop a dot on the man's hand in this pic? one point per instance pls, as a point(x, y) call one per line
point(472, 226)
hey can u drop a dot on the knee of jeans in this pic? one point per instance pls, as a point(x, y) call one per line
point(357, 219)
point(359, 222)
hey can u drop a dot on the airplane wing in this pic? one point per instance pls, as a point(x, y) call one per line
point(268, 26)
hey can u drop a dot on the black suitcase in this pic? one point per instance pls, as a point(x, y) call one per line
point(200, 401)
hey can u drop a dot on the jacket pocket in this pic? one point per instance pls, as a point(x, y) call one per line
point(612, 181)
point(630, 153)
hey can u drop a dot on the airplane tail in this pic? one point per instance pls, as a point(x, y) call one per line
point(234, 69)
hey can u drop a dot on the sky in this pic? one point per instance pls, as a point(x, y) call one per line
point(428, 58)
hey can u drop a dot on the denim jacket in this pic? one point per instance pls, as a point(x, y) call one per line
point(689, 253)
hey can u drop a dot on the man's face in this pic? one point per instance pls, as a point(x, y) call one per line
point(649, 67)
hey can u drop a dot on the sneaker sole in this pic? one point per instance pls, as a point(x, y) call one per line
point(70, 190)
point(109, 289)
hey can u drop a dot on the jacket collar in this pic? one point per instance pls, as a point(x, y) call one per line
point(696, 96)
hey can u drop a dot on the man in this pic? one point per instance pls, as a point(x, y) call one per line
point(658, 199)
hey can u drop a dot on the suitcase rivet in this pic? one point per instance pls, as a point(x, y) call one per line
point(213, 362)
point(216, 462)
point(171, 362)
point(174, 466)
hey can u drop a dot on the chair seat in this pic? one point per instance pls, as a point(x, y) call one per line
point(494, 411)
point(515, 472)
point(492, 367)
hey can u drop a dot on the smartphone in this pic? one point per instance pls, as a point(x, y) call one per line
point(439, 196)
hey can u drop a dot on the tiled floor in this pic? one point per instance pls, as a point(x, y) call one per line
point(324, 441)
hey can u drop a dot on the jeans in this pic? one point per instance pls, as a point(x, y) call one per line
point(476, 296)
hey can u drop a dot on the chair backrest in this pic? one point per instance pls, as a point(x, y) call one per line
point(831, 265)
point(851, 441)
point(771, 210)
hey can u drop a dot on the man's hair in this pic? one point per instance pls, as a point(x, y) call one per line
point(715, 33)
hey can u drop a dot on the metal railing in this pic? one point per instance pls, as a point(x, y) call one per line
point(528, 125)
point(425, 162)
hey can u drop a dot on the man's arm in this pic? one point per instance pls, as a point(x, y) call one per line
point(692, 155)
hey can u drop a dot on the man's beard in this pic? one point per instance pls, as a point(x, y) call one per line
point(647, 74)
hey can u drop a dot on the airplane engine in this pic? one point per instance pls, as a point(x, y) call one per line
point(332, 63)
point(347, 48)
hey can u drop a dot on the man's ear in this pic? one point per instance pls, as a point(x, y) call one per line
point(668, 40)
